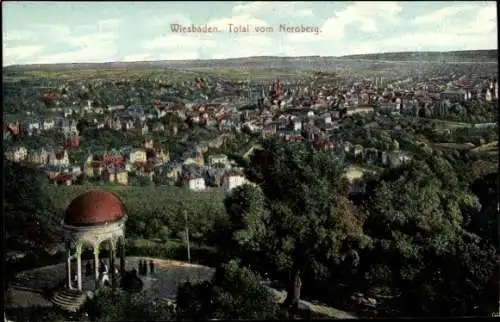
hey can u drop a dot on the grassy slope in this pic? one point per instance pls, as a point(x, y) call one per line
point(457, 146)
point(472, 55)
point(144, 200)
point(442, 124)
point(487, 149)
point(170, 75)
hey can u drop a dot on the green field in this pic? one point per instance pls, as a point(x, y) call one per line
point(170, 74)
point(489, 148)
point(260, 73)
point(146, 200)
point(441, 124)
point(114, 73)
point(456, 146)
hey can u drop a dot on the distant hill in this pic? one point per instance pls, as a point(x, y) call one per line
point(456, 56)
point(266, 62)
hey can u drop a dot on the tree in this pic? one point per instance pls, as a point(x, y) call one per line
point(139, 180)
point(117, 305)
point(428, 258)
point(82, 125)
point(49, 314)
point(31, 222)
point(245, 228)
point(234, 293)
point(299, 224)
point(30, 218)
point(485, 222)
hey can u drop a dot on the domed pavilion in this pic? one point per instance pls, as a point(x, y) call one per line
point(94, 234)
point(95, 220)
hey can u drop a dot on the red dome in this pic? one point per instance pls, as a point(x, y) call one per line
point(94, 207)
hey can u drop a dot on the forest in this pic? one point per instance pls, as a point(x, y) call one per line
point(421, 241)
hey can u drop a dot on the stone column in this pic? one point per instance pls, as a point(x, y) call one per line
point(79, 265)
point(68, 266)
point(122, 257)
point(112, 255)
point(96, 265)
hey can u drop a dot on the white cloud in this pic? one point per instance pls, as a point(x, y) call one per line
point(89, 47)
point(463, 23)
point(85, 29)
point(101, 53)
point(137, 57)
point(368, 26)
point(180, 55)
point(422, 41)
point(239, 20)
point(485, 21)
point(439, 30)
point(251, 45)
point(171, 55)
point(439, 15)
point(91, 40)
point(457, 26)
point(178, 41)
point(52, 31)
point(291, 50)
point(109, 24)
point(364, 14)
point(19, 35)
point(289, 9)
point(19, 54)
point(167, 19)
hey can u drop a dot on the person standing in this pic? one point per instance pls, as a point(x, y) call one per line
point(88, 269)
point(140, 267)
point(151, 267)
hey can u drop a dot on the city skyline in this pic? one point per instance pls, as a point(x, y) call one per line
point(75, 32)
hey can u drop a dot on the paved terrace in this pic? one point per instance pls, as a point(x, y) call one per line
point(28, 290)
point(169, 274)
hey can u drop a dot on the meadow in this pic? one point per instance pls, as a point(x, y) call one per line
point(158, 213)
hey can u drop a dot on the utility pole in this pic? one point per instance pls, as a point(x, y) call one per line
point(497, 314)
point(187, 236)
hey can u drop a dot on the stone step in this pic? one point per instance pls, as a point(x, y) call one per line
point(25, 279)
point(66, 307)
point(67, 303)
point(70, 292)
point(21, 287)
point(67, 297)
point(38, 287)
point(70, 300)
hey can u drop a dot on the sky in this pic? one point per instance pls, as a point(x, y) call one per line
point(73, 32)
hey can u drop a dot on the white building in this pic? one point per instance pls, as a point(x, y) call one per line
point(48, 125)
point(137, 155)
point(355, 177)
point(196, 184)
point(59, 159)
point(488, 96)
point(33, 127)
point(360, 110)
point(220, 158)
point(16, 154)
point(232, 180)
point(297, 125)
point(76, 170)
